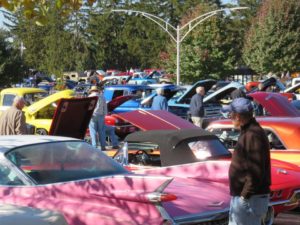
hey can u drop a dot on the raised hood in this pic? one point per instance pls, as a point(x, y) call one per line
point(35, 107)
point(275, 104)
point(72, 117)
point(207, 84)
point(222, 92)
point(155, 120)
point(116, 102)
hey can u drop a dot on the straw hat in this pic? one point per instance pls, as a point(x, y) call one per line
point(94, 88)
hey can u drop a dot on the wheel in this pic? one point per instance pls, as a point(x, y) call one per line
point(41, 131)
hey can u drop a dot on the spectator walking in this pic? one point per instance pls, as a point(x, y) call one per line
point(97, 125)
point(12, 121)
point(196, 106)
point(159, 101)
point(249, 172)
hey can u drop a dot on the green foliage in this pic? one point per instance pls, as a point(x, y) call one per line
point(11, 68)
point(273, 42)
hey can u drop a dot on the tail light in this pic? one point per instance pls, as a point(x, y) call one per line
point(161, 197)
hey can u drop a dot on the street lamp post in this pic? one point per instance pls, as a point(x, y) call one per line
point(180, 35)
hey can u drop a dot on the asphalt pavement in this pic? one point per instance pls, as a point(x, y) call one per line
point(288, 218)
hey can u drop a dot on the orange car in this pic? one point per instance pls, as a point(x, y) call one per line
point(283, 134)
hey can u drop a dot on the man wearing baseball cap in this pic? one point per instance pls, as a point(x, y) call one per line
point(249, 172)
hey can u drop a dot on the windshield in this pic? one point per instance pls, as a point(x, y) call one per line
point(63, 161)
point(34, 97)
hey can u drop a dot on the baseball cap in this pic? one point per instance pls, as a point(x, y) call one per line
point(239, 105)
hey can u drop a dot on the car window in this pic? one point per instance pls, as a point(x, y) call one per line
point(8, 176)
point(63, 161)
point(274, 140)
point(34, 97)
point(228, 136)
point(8, 99)
point(208, 149)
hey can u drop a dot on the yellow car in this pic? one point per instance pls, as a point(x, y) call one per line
point(30, 95)
point(39, 110)
point(40, 114)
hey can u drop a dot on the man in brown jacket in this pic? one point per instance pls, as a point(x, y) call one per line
point(12, 121)
point(250, 170)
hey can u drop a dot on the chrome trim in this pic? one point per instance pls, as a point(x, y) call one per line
point(295, 201)
point(202, 217)
point(281, 202)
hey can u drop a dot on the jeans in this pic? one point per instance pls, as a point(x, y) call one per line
point(97, 125)
point(110, 131)
point(248, 211)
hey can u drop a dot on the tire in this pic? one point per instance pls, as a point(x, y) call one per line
point(41, 131)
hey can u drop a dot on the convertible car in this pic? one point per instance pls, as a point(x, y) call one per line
point(283, 134)
point(200, 155)
point(87, 187)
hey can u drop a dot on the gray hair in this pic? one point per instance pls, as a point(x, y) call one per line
point(160, 91)
point(18, 100)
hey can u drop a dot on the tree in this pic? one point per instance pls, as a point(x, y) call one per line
point(272, 43)
point(11, 68)
point(206, 52)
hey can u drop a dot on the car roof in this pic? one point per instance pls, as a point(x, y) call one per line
point(8, 142)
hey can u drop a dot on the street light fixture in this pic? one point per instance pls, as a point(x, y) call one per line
point(180, 35)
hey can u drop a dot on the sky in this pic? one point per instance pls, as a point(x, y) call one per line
point(2, 18)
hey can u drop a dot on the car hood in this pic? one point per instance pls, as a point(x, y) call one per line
point(155, 120)
point(116, 102)
point(222, 92)
point(207, 84)
point(275, 104)
point(35, 107)
point(72, 117)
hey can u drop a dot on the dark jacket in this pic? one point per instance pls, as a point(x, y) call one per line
point(250, 170)
point(196, 106)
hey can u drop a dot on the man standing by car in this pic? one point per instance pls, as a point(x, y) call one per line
point(97, 123)
point(159, 101)
point(12, 121)
point(249, 172)
point(196, 106)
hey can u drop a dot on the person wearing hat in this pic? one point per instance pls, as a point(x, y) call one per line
point(97, 123)
point(249, 171)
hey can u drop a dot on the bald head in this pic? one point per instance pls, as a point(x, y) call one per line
point(160, 91)
point(19, 102)
point(200, 90)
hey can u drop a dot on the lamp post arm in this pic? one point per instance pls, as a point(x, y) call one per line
point(196, 24)
point(153, 18)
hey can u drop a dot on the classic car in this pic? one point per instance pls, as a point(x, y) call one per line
point(283, 134)
point(274, 104)
point(87, 187)
point(200, 155)
point(16, 215)
point(294, 89)
point(212, 102)
point(30, 96)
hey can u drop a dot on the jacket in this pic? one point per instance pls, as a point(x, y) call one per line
point(12, 122)
point(196, 106)
point(250, 168)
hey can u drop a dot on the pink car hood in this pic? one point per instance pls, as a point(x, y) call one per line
point(155, 120)
point(275, 103)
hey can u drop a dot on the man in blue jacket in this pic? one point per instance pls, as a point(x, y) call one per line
point(159, 102)
point(196, 106)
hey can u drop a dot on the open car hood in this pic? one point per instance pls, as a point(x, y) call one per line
point(35, 107)
point(275, 104)
point(207, 84)
point(155, 120)
point(72, 117)
point(116, 102)
point(222, 92)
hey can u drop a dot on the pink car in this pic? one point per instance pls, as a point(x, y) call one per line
point(71, 177)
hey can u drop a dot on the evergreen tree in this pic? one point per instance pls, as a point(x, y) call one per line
point(272, 43)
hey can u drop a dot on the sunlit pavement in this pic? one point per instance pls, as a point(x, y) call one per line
point(290, 218)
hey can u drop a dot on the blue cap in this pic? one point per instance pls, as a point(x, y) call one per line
point(239, 105)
